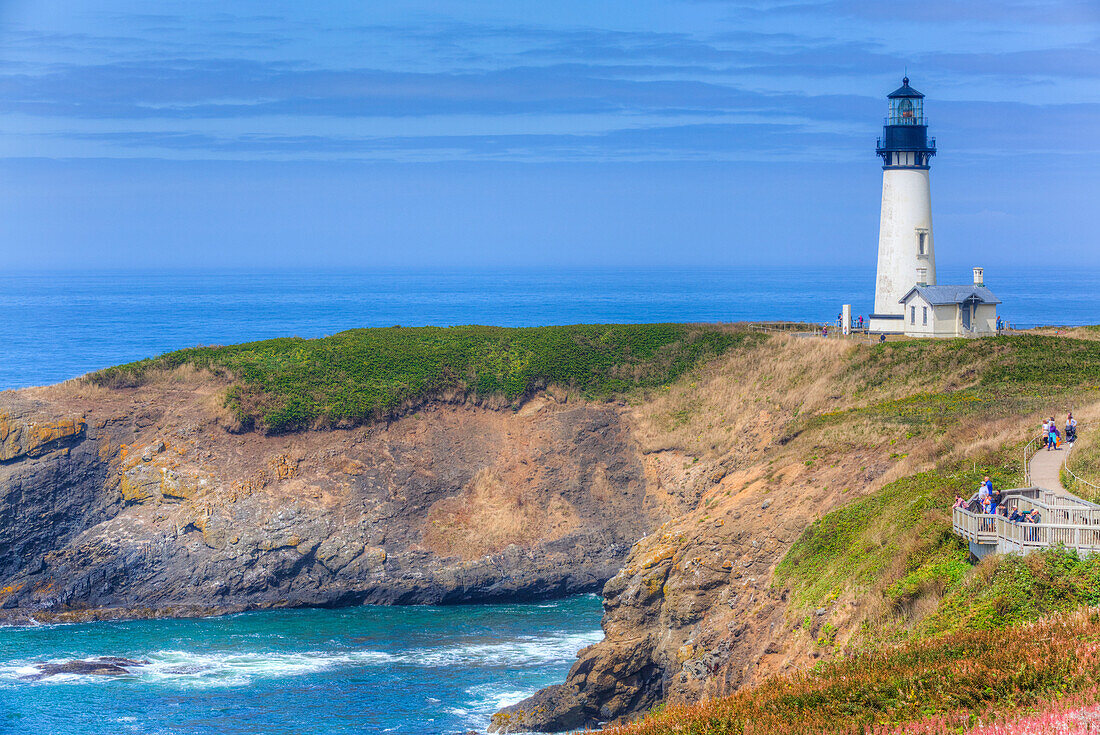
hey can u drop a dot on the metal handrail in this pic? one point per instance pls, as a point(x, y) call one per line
point(1029, 450)
point(1065, 466)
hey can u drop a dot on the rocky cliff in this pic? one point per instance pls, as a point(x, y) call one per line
point(138, 502)
point(142, 501)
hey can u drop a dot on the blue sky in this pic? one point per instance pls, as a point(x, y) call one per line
point(710, 132)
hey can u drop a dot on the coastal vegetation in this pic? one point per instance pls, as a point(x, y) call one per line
point(947, 684)
point(1083, 462)
point(887, 594)
point(362, 375)
point(848, 454)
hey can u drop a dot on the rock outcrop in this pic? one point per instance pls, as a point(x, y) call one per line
point(137, 502)
point(102, 666)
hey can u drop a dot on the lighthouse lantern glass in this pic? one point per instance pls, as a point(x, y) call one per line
point(906, 111)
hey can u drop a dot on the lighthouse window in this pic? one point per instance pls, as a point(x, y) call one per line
point(920, 242)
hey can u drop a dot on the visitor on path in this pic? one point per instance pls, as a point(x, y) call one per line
point(1044, 437)
point(996, 497)
point(1017, 516)
point(825, 331)
point(1052, 441)
point(1071, 429)
point(959, 502)
point(861, 322)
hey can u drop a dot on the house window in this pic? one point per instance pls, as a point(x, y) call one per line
point(912, 315)
point(924, 309)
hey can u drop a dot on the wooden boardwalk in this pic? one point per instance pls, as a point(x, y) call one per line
point(1067, 520)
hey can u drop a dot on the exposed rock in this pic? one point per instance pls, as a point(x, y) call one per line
point(102, 666)
point(30, 439)
point(157, 510)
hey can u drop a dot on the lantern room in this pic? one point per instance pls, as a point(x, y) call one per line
point(906, 105)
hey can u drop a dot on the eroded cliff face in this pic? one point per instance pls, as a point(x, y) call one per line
point(137, 502)
point(695, 613)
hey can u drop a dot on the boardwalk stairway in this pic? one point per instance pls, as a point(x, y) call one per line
point(1067, 520)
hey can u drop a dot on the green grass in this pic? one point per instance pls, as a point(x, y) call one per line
point(363, 375)
point(897, 540)
point(991, 378)
point(1008, 589)
point(1040, 360)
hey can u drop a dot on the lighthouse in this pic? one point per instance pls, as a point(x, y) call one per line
point(906, 251)
point(908, 299)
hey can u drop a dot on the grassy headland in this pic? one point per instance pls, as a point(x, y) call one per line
point(369, 374)
point(897, 586)
point(882, 577)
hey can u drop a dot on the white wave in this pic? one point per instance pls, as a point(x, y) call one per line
point(227, 669)
point(525, 651)
point(495, 698)
point(486, 699)
point(200, 669)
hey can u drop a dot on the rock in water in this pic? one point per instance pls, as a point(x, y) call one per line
point(102, 666)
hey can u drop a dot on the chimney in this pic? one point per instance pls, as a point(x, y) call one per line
point(979, 277)
point(922, 276)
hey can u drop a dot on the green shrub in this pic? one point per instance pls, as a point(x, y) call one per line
point(368, 374)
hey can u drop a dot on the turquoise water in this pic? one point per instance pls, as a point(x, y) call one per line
point(357, 670)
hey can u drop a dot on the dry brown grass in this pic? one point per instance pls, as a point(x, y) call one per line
point(756, 396)
point(744, 399)
point(492, 513)
point(1084, 459)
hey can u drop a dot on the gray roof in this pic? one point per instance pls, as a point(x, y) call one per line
point(905, 91)
point(936, 295)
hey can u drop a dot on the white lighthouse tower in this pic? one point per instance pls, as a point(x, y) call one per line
point(908, 300)
point(906, 253)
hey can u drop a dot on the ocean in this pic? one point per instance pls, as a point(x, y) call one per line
point(55, 326)
point(412, 670)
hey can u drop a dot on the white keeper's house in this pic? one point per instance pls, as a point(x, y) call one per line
point(907, 298)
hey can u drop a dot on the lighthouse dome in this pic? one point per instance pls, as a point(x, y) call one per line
point(905, 91)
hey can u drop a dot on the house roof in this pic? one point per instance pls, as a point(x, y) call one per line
point(937, 295)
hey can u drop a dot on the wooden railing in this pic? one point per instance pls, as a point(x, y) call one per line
point(1068, 521)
